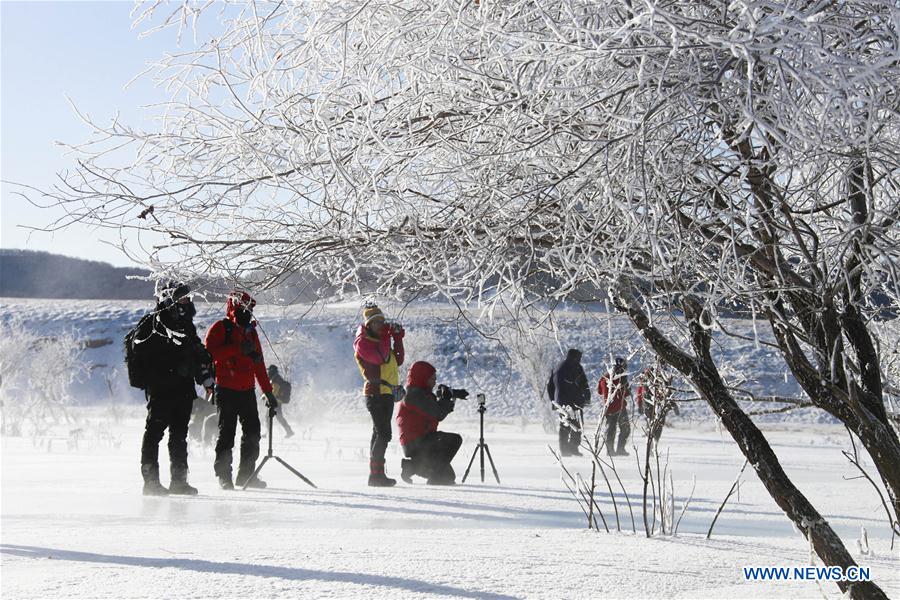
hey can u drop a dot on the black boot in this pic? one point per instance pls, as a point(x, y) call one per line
point(407, 470)
point(244, 475)
point(179, 484)
point(152, 486)
point(377, 478)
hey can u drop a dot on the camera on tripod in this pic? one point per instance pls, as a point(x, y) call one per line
point(481, 400)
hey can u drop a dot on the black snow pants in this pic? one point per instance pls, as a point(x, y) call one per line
point(234, 406)
point(570, 436)
point(381, 407)
point(168, 407)
point(621, 419)
point(432, 454)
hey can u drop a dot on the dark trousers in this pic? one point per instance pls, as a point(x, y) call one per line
point(619, 419)
point(431, 455)
point(381, 407)
point(569, 438)
point(168, 407)
point(234, 406)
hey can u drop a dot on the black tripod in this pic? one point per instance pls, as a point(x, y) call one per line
point(270, 455)
point(483, 447)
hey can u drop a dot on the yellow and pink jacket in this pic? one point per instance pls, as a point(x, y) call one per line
point(377, 360)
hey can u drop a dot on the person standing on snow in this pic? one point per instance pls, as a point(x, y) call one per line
point(237, 352)
point(168, 357)
point(281, 387)
point(615, 390)
point(654, 398)
point(378, 349)
point(428, 450)
point(569, 392)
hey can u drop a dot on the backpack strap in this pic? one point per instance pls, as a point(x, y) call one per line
point(229, 329)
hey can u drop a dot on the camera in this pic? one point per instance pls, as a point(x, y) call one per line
point(446, 392)
point(481, 399)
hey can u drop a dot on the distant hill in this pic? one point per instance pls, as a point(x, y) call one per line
point(30, 274)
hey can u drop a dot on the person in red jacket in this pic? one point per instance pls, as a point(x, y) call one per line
point(428, 451)
point(238, 358)
point(378, 349)
point(615, 391)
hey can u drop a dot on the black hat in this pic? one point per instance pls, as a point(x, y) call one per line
point(171, 291)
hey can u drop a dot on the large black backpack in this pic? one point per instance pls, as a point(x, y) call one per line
point(137, 373)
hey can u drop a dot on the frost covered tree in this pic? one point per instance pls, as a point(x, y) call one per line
point(687, 156)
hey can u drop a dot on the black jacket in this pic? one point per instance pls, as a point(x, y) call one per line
point(568, 385)
point(169, 351)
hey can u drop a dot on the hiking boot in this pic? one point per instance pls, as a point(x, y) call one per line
point(179, 484)
point(152, 486)
point(255, 482)
point(381, 480)
point(182, 488)
point(407, 470)
point(225, 483)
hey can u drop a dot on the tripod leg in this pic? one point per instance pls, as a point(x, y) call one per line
point(482, 446)
point(256, 472)
point(496, 476)
point(295, 472)
point(471, 460)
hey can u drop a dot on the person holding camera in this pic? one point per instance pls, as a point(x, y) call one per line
point(428, 451)
point(378, 349)
point(165, 357)
point(615, 390)
point(237, 352)
point(569, 393)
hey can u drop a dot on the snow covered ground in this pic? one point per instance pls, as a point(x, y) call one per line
point(73, 523)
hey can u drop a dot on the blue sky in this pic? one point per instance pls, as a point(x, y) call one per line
point(88, 52)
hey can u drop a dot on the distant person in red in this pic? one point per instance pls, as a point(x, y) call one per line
point(428, 450)
point(654, 398)
point(237, 353)
point(615, 391)
point(378, 349)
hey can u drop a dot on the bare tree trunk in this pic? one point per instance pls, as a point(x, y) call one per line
point(704, 375)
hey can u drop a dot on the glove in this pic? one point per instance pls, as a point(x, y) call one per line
point(443, 393)
point(271, 403)
point(398, 332)
point(208, 383)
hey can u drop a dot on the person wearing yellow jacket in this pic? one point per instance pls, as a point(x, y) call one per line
point(378, 349)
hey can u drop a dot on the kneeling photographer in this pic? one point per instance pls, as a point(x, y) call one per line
point(428, 450)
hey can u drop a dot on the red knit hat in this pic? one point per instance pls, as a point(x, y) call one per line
point(419, 374)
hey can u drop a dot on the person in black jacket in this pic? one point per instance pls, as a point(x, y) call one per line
point(281, 387)
point(170, 355)
point(569, 393)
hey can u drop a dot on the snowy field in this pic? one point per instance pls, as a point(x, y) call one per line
point(73, 523)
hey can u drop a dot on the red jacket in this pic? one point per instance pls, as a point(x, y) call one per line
point(234, 369)
point(420, 412)
point(621, 391)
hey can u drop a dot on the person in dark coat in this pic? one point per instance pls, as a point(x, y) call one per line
point(281, 387)
point(171, 357)
point(615, 390)
point(428, 451)
point(569, 393)
point(237, 352)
